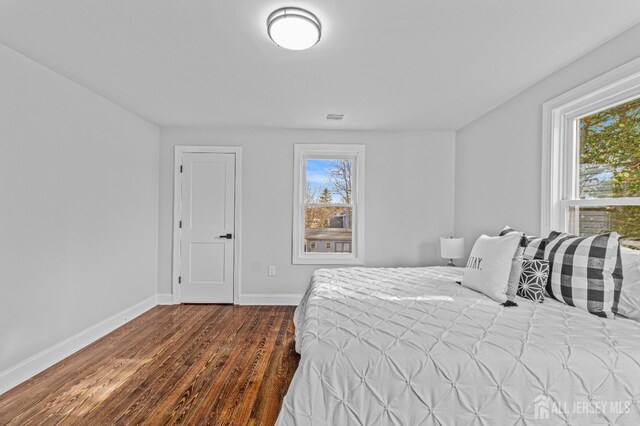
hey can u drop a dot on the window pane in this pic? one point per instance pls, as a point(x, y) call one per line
point(625, 220)
point(610, 152)
point(328, 229)
point(328, 181)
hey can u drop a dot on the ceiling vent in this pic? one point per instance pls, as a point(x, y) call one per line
point(335, 117)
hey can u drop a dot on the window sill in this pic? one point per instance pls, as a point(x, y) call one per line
point(327, 260)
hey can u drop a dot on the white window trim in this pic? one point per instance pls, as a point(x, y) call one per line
point(301, 153)
point(559, 138)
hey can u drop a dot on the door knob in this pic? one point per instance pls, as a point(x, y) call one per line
point(228, 236)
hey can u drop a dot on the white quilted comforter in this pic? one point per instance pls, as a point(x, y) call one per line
point(409, 346)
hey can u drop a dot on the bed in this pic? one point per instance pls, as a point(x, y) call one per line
point(410, 346)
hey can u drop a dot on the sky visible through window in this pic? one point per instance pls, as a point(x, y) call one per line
point(318, 177)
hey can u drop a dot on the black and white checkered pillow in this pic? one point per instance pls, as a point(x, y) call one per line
point(533, 279)
point(585, 272)
point(533, 246)
point(535, 249)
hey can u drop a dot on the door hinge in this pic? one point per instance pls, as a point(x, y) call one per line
point(180, 168)
point(180, 224)
point(179, 280)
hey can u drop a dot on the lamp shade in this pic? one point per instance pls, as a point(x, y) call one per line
point(452, 248)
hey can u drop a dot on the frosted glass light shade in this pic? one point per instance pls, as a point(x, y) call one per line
point(294, 28)
point(451, 248)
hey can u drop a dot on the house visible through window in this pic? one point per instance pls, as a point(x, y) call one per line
point(591, 158)
point(328, 204)
point(342, 247)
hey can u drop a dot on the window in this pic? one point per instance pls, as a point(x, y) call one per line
point(343, 247)
point(328, 219)
point(591, 158)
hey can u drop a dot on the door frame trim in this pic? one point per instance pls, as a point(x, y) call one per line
point(177, 196)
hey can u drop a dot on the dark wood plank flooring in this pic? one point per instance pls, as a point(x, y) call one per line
point(181, 364)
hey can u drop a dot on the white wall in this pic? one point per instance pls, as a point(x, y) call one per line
point(498, 156)
point(409, 199)
point(78, 208)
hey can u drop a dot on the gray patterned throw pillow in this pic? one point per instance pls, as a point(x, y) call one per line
point(533, 279)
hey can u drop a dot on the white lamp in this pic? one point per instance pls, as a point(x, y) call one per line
point(294, 28)
point(451, 248)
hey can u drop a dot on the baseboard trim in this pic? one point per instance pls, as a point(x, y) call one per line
point(270, 299)
point(44, 359)
point(165, 299)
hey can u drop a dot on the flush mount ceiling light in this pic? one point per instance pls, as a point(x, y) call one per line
point(294, 28)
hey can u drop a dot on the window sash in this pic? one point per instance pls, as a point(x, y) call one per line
point(331, 155)
point(570, 175)
point(352, 205)
point(328, 255)
point(601, 202)
point(570, 172)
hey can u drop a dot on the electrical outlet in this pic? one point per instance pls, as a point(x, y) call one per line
point(272, 271)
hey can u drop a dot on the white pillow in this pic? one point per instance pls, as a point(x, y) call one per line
point(489, 265)
point(629, 304)
point(514, 275)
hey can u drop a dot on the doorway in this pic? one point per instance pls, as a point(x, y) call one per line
point(206, 230)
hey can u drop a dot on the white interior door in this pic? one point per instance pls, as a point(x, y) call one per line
point(207, 228)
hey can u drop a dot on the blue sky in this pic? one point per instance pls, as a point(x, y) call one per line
point(318, 176)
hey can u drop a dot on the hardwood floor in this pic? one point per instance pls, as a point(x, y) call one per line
point(180, 364)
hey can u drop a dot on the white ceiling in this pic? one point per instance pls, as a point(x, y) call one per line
point(421, 64)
